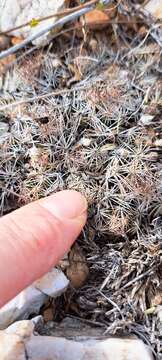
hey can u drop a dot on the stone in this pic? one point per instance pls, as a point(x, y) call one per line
point(146, 119)
point(85, 141)
point(93, 44)
point(30, 300)
point(53, 284)
point(20, 343)
point(158, 143)
point(154, 7)
point(18, 12)
point(11, 347)
point(12, 340)
point(39, 348)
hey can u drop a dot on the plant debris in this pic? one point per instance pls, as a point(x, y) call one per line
point(77, 271)
point(87, 116)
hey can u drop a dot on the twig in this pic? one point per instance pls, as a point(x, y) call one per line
point(19, 58)
point(106, 280)
point(41, 97)
point(132, 51)
point(57, 14)
point(111, 302)
point(59, 22)
point(114, 7)
point(36, 97)
point(72, 28)
point(45, 96)
point(96, 323)
point(134, 280)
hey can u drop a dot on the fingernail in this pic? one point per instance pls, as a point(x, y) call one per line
point(67, 204)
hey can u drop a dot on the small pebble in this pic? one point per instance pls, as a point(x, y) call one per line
point(146, 119)
point(93, 44)
point(158, 143)
point(85, 141)
point(4, 127)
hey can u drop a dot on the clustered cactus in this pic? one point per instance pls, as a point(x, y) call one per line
point(101, 136)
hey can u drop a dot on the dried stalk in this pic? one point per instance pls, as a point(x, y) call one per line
point(33, 37)
point(57, 14)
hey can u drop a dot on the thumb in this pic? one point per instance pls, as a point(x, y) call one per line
point(35, 237)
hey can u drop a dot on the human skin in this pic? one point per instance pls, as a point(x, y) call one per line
point(34, 238)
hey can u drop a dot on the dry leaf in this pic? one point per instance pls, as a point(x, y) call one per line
point(157, 299)
point(107, 147)
point(77, 271)
point(5, 62)
point(74, 69)
point(16, 40)
point(48, 314)
point(95, 19)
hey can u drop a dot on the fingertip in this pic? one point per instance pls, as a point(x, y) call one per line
point(66, 204)
point(36, 236)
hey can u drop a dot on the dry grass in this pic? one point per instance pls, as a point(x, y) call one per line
point(93, 140)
